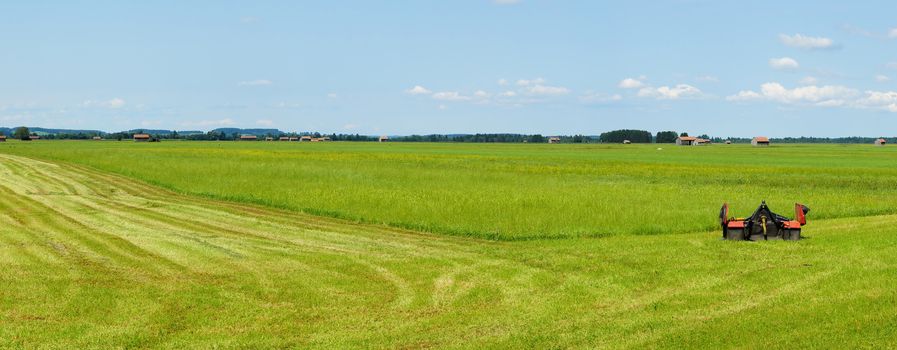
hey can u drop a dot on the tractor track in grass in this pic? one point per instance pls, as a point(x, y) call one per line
point(94, 223)
point(94, 259)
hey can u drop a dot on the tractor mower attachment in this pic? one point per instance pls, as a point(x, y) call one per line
point(763, 224)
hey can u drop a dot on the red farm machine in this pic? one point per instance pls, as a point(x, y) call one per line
point(763, 224)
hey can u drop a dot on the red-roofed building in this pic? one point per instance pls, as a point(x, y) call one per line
point(686, 140)
point(760, 141)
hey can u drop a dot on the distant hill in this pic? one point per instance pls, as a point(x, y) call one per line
point(256, 132)
point(49, 131)
point(164, 132)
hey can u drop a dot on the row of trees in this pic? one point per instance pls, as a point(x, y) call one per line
point(21, 133)
point(616, 136)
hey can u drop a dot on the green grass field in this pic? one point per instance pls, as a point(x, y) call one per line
point(507, 191)
point(199, 245)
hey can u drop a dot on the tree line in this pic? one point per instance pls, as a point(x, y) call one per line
point(615, 136)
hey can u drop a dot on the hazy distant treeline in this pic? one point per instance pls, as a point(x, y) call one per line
point(615, 136)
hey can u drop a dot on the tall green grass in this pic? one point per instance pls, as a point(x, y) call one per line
point(509, 191)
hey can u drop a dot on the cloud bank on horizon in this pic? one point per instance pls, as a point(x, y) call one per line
point(530, 66)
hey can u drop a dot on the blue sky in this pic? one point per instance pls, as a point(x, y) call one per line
point(725, 68)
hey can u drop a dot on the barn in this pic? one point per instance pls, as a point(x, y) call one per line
point(384, 138)
point(142, 137)
point(760, 141)
point(2, 138)
point(880, 142)
point(686, 140)
point(248, 138)
point(554, 139)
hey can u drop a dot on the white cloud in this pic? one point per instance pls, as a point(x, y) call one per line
point(265, 122)
point(442, 107)
point(892, 33)
point(806, 94)
point(113, 103)
point(808, 80)
point(257, 82)
point(350, 126)
point(450, 96)
point(891, 65)
point(630, 83)
point(744, 95)
point(528, 82)
point(881, 78)
point(670, 93)
point(148, 123)
point(783, 63)
point(218, 122)
point(547, 90)
point(332, 95)
point(884, 100)
point(879, 98)
point(418, 90)
point(524, 91)
point(821, 96)
point(806, 42)
point(506, 2)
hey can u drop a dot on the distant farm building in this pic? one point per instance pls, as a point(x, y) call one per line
point(305, 138)
point(384, 139)
point(248, 138)
point(728, 142)
point(97, 138)
point(760, 141)
point(554, 139)
point(626, 142)
point(880, 142)
point(294, 139)
point(320, 139)
point(284, 138)
point(2, 138)
point(699, 141)
point(269, 139)
point(142, 137)
point(686, 140)
point(34, 137)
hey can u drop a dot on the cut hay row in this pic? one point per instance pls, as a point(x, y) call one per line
point(92, 259)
